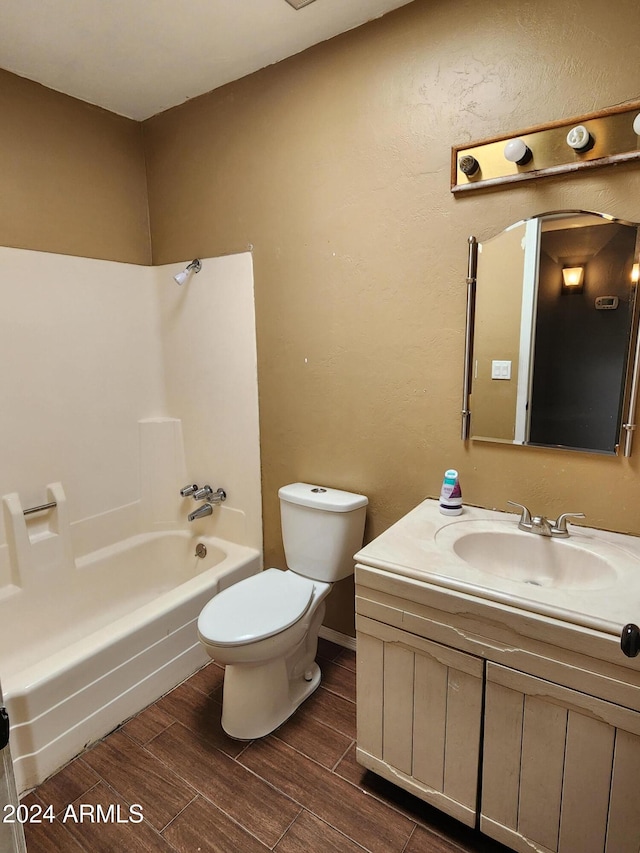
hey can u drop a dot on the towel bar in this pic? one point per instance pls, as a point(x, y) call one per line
point(40, 508)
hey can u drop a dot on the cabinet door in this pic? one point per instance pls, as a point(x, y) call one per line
point(419, 716)
point(561, 769)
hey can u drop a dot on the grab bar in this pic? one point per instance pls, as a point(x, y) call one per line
point(40, 508)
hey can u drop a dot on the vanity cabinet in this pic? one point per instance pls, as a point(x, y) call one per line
point(560, 768)
point(522, 726)
point(421, 715)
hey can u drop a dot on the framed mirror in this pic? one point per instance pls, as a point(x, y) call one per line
point(552, 333)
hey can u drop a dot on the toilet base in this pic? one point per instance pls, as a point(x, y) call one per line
point(259, 698)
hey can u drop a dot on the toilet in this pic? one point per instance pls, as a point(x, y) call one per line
point(265, 628)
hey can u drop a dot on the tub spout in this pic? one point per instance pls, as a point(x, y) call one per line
point(205, 509)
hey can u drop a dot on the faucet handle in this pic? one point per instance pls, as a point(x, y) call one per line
point(525, 518)
point(203, 494)
point(559, 526)
point(188, 490)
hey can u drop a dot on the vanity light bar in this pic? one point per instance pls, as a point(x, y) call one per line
point(597, 139)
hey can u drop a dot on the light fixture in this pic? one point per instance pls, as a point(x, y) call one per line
point(635, 273)
point(579, 138)
point(572, 279)
point(194, 266)
point(636, 125)
point(518, 152)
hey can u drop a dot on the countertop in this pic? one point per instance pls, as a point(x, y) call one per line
point(420, 546)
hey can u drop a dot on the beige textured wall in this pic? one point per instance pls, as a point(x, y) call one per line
point(73, 176)
point(334, 165)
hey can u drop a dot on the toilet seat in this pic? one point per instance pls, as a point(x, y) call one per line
point(256, 608)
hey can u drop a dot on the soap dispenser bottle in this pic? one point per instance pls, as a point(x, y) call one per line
point(451, 494)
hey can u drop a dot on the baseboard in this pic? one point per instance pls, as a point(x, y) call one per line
point(336, 637)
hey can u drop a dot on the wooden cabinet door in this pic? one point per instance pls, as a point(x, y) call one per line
point(419, 709)
point(561, 769)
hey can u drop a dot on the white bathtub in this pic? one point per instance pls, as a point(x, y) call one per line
point(79, 658)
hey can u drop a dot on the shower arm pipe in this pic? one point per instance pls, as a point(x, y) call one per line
point(193, 266)
point(468, 340)
point(41, 508)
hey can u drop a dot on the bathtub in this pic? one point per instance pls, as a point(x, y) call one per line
point(79, 659)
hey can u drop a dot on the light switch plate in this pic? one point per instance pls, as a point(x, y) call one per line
point(500, 369)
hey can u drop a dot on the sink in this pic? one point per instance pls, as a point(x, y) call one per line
point(591, 579)
point(528, 558)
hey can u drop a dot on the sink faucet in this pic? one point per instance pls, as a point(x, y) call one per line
point(543, 526)
point(559, 527)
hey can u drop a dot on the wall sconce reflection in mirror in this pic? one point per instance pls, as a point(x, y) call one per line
point(572, 279)
point(597, 139)
point(574, 362)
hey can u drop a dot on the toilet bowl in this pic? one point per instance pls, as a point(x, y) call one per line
point(265, 628)
point(261, 628)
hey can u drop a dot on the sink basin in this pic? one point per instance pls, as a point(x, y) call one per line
point(591, 579)
point(528, 558)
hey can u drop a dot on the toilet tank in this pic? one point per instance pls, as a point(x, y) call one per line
point(322, 529)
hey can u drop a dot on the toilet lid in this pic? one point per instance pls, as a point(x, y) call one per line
point(253, 609)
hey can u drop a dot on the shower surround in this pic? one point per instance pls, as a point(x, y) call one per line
point(122, 388)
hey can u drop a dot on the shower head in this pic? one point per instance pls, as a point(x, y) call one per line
point(194, 266)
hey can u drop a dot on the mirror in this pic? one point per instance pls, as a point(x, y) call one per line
point(552, 333)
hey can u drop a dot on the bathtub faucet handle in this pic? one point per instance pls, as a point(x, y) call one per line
point(188, 490)
point(202, 494)
point(206, 493)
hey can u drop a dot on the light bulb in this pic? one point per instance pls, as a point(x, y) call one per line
point(469, 166)
point(579, 138)
point(573, 276)
point(518, 152)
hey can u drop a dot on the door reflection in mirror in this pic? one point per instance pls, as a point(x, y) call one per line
point(550, 363)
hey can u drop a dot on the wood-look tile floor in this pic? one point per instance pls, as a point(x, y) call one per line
point(299, 789)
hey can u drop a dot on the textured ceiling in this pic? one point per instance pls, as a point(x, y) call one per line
point(140, 57)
